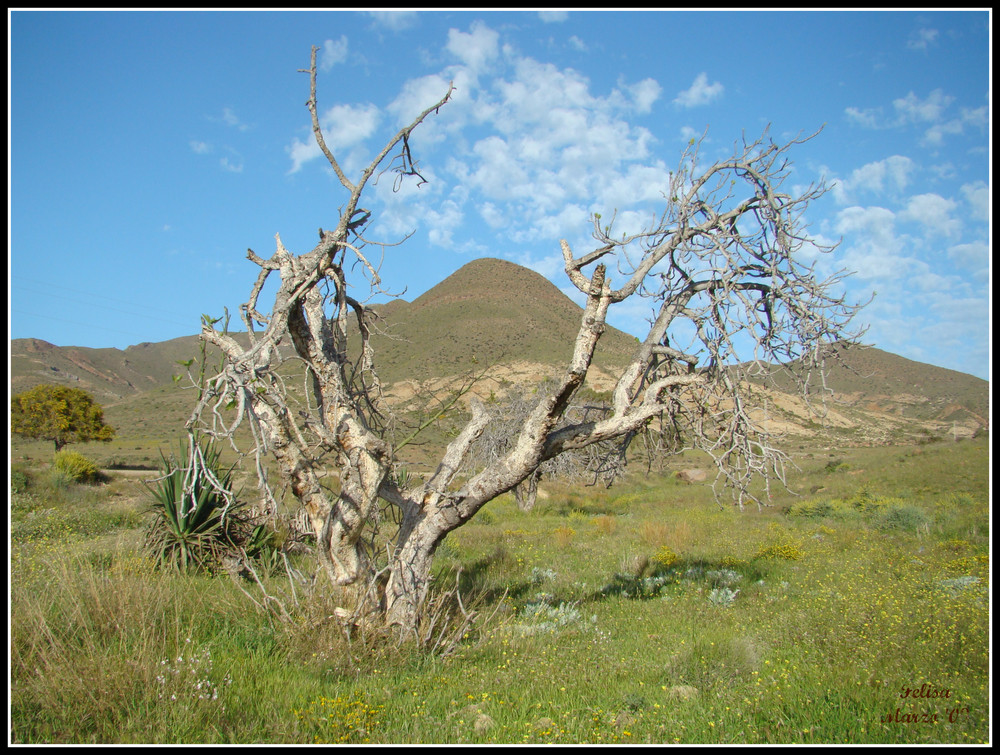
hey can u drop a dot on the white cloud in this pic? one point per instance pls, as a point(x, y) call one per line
point(344, 126)
point(892, 175)
point(955, 320)
point(233, 163)
point(301, 153)
point(700, 92)
point(934, 136)
point(871, 247)
point(977, 117)
point(347, 125)
point(333, 53)
point(577, 44)
point(537, 90)
point(394, 20)
point(933, 212)
point(977, 194)
point(492, 214)
point(571, 216)
point(230, 118)
point(442, 222)
point(917, 301)
point(407, 204)
point(877, 223)
point(921, 39)
point(476, 48)
point(911, 109)
point(552, 151)
point(688, 133)
point(868, 118)
point(973, 256)
point(419, 94)
point(644, 94)
point(943, 171)
point(498, 174)
point(640, 183)
point(553, 16)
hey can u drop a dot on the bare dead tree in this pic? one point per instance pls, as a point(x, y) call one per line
point(722, 268)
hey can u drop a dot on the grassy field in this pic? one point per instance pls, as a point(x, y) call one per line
point(855, 612)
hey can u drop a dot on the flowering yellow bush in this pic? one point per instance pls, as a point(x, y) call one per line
point(341, 719)
point(788, 551)
point(76, 467)
point(665, 557)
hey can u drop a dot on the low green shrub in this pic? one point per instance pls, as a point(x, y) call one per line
point(905, 517)
point(883, 512)
point(18, 481)
point(57, 480)
point(816, 508)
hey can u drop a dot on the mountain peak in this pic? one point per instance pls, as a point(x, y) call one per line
point(492, 278)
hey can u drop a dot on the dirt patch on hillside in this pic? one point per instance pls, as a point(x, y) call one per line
point(497, 382)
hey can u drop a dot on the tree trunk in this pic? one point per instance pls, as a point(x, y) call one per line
point(526, 493)
point(409, 572)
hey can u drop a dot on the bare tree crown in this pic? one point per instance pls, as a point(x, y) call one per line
point(722, 270)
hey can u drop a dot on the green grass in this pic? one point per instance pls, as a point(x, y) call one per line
point(644, 613)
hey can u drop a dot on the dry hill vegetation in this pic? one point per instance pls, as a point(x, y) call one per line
point(497, 315)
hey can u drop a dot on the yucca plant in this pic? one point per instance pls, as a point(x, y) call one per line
point(192, 509)
point(262, 545)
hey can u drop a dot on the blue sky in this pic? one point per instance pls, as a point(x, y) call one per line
point(149, 150)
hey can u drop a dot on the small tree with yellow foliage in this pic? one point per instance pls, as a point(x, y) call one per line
point(60, 414)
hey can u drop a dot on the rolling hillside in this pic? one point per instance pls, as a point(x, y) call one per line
point(892, 390)
point(109, 374)
point(496, 314)
point(488, 311)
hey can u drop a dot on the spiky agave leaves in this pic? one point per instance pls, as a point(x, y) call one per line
point(191, 509)
point(262, 545)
